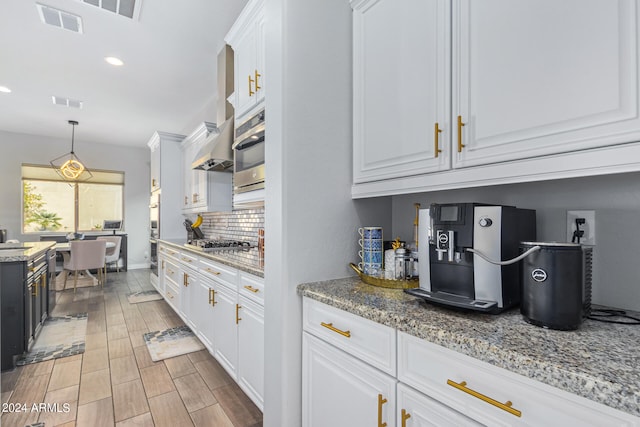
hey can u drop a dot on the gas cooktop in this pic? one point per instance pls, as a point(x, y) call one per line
point(220, 245)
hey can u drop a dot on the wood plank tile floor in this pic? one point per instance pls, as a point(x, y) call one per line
point(115, 382)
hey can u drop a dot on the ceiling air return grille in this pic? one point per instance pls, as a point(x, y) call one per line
point(127, 8)
point(59, 18)
point(67, 102)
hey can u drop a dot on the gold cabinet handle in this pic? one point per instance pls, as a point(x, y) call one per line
point(170, 271)
point(43, 281)
point(162, 264)
point(153, 182)
point(251, 92)
point(436, 143)
point(336, 330)
point(212, 297)
point(460, 125)
point(35, 290)
point(381, 401)
point(186, 259)
point(212, 271)
point(257, 75)
point(252, 289)
point(169, 295)
point(238, 319)
point(404, 416)
point(186, 279)
point(504, 406)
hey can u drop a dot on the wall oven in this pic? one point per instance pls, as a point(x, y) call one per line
point(248, 154)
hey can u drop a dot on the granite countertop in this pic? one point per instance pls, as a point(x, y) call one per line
point(247, 260)
point(600, 361)
point(17, 252)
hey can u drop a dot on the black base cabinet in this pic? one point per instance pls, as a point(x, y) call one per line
point(12, 297)
point(24, 305)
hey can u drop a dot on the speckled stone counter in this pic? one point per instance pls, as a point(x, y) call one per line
point(246, 260)
point(600, 361)
point(17, 252)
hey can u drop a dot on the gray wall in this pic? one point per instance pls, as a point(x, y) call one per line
point(20, 148)
point(615, 199)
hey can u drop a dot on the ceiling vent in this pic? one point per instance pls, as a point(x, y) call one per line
point(59, 18)
point(67, 102)
point(127, 8)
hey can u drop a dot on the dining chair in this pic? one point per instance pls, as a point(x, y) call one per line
point(113, 254)
point(85, 255)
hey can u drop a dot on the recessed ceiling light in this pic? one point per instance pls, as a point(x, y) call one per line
point(5, 89)
point(114, 61)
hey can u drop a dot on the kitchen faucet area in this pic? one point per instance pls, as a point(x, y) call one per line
point(343, 213)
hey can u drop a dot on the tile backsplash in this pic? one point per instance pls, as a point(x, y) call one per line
point(243, 225)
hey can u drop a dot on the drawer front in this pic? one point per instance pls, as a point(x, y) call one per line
point(172, 296)
point(168, 251)
point(172, 271)
point(188, 259)
point(252, 287)
point(452, 378)
point(367, 340)
point(219, 272)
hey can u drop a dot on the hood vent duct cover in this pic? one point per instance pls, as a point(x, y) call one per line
point(217, 155)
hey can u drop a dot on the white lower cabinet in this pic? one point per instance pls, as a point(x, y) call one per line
point(417, 410)
point(251, 350)
point(225, 328)
point(340, 390)
point(224, 308)
point(342, 384)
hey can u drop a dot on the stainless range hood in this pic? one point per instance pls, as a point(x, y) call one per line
point(217, 155)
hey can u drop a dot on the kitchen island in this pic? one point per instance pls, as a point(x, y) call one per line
point(24, 294)
point(600, 361)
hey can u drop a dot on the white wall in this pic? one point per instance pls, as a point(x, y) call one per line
point(310, 219)
point(134, 162)
point(615, 199)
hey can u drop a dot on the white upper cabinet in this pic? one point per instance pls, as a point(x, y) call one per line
point(246, 37)
point(535, 78)
point(401, 81)
point(203, 191)
point(531, 88)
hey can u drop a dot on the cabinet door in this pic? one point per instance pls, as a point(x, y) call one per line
point(251, 351)
point(259, 74)
point(401, 88)
point(417, 410)
point(189, 299)
point(201, 308)
point(245, 69)
point(225, 328)
point(155, 168)
point(340, 390)
point(534, 78)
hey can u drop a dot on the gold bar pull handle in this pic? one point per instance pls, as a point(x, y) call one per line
point(436, 142)
point(336, 330)
point(212, 297)
point(381, 401)
point(507, 406)
point(404, 416)
point(238, 319)
point(257, 75)
point(460, 125)
point(186, 279)
point(252, 289)
point(251, 92)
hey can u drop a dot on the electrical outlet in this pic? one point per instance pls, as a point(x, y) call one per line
point(589, 227)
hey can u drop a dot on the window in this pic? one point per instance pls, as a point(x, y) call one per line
point(50, 204)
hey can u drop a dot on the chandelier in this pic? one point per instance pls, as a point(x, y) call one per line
point(69, 166)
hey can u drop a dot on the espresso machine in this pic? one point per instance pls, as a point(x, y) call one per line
point(462, 264)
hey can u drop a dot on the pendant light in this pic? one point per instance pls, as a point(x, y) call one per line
point(69, 166)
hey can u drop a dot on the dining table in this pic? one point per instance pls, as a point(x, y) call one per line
point(65, 249)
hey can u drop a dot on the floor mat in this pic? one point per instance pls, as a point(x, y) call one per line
point(60, 337)
point(171, 343)
point(143, 296)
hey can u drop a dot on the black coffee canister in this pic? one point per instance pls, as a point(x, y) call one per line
point(556, 285)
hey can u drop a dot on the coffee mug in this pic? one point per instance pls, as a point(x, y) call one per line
point(370, 244)
point(370, 232)
point(370, 269)
point(368, 257)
